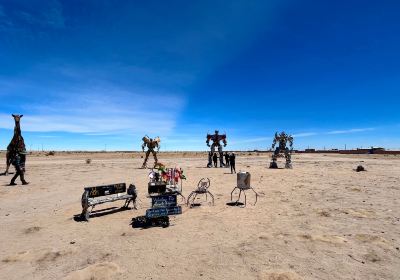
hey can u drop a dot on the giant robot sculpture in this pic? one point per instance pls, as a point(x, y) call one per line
point(151, 145)
point(282, 139)
point(216, 138)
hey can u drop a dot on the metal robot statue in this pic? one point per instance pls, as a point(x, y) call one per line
point(282, 139)
point(151, 145)
point(216, 138)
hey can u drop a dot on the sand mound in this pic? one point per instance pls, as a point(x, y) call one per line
point(97, 271)
point(279, 276)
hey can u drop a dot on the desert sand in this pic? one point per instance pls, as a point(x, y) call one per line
point(320, 220)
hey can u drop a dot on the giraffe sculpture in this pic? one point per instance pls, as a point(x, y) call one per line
point(17, 143)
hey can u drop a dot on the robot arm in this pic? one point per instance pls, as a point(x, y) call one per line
point(224, 141)
point(290, 140)
point(208, 140)
point(145, 140)
point(274, 141)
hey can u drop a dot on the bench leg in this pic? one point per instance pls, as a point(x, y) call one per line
point(86, 213)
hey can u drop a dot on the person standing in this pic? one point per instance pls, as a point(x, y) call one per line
point(215, 159)
point(232, 159)
point(18, 162)
point(227, 159)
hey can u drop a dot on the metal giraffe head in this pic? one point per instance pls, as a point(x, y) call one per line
point(17, 118)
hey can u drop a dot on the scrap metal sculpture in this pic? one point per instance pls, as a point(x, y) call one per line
point(216, 138)
point(243, 184)
point(283, 140)
point(151, 144)
point(17, 144)
point(202, 188)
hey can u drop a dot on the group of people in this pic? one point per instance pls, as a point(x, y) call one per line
point(230, 159)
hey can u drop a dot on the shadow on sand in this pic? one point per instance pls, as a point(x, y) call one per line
point(101, 212)
point(235, 203)
point(4, 173)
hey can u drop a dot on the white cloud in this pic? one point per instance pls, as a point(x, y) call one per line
point(304, 134)
point(353, 130)
point(101, 111)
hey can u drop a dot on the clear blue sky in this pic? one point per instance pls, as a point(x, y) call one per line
point(86, 74)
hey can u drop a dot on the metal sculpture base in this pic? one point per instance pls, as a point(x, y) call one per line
point(202, 189)
point(245, 197)
point(194, 195)
point(273, 165)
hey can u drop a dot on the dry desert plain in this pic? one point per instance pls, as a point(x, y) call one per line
point(320, 220)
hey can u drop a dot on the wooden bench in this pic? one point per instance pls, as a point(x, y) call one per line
point(93, 196)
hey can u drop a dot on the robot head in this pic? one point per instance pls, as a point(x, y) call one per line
point(216, 132)
point(283, 133)
point(151, 140)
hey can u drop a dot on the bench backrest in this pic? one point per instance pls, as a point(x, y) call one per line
point(106, 190)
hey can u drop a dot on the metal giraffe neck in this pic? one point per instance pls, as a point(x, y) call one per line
point(17, 129)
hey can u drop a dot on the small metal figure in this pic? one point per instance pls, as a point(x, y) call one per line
point(216, 138)
point(151, 145)
point(202, 188)
point(282, 139)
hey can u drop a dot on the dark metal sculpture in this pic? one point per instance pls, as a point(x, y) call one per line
point(17, 144)
point(283, 140)
point(216, 138)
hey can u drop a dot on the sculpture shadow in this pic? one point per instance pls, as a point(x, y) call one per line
point(194, 205)
point(235, 203)
point(101, 212)
point(4, 173)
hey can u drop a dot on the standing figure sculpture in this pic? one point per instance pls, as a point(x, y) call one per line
point(151, 145)
point(282, 139)
point(216, 138)
point(17, 144)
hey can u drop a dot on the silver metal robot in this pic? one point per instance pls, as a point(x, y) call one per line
point(216, 138)
point(282, 139)
point(151, 145)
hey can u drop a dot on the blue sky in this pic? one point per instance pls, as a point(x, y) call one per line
point(94, 74)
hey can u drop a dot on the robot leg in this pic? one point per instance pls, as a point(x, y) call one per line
point(210, 155)
point(288, 157)
point(221, 157)
point(275, 155)
point(146, 158)
point(155, 157)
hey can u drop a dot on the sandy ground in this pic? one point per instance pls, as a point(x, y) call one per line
point(320, 220)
